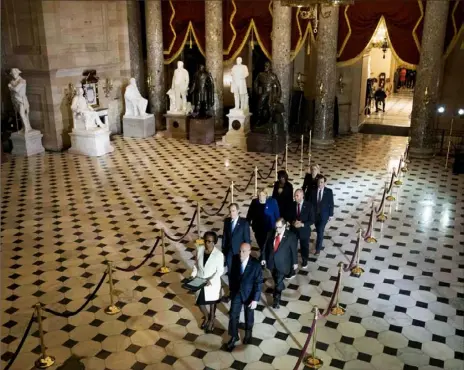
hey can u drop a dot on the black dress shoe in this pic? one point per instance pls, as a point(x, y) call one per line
point(248, 337)
point(204, 324)
point(276, 303)
point(225, 299)
point(231, 343)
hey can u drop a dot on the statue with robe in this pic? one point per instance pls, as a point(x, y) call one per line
point(19, 99)
point(84, 116)
point(268, 89)
point(202, 91)
point(238, 86)
point(136, 104)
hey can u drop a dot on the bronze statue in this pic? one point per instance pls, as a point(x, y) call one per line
point(267, 86)
point(202, 91)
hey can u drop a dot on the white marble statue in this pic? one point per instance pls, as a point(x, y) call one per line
point(136, 104)
point(172, 100)
point(180, 83)
point(17, 88)
point(238, 86)
point(84, 116)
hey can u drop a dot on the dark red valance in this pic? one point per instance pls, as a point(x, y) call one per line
point(454, 26)
point(358, 23)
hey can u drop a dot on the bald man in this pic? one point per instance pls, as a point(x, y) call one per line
point(246, 281)
point(302, 217)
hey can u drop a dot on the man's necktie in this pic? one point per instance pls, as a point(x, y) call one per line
point(242, 269)
point(232, 226)
point(319, 196)
point(276, 242)
point(298, 211)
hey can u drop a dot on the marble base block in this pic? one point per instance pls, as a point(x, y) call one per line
point(239, 127)
point(27, 144)
point(201, 131)
point(92, 143)
point(139, 126)
point(265, 143)
point(177, 126)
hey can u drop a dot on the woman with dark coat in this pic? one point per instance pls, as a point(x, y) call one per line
point(310, 181)
point(283, 194)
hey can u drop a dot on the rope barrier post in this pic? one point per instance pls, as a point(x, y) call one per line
point(232, 192)
point(112, 309)
point(449, 142)
point(357, 270)
point(164, 269)
point(312, 361)
point(381, 217)
point(302, 145)
point(398, 174)
point(286, 157)
point(44, 361)
point(276, 166)
point(338, 310)
point(390, 196)
point(406, 151)
point(371, 239)
point(198, 220)
point(256, 181)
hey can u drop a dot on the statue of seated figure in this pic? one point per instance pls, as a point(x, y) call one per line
point(84, 117)
point(136, 104)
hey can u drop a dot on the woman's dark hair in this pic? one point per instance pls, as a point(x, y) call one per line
point(211, 233)
point(282, 173)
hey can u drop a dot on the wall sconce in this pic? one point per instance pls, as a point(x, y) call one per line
point(70, 92)
point(384, 47)
point(108, 87)
point(300, 80)
point(341, 84)
point(321, 94)
point(150, 85)
point(427, 100)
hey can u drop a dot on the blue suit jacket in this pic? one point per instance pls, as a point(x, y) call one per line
point(271, 213)
point(249, 284)
point(326, 206)
point(231, 241)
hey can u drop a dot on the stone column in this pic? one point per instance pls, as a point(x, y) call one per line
point(326, 75)
point(426, 90)
point(155, 59)
point(214, 57)
point(135, 44)
point(281, 43)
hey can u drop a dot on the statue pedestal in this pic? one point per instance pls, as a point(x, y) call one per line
point(139, 126)
point(92, 143)
point(177, 125)
point(27, 144)
point(239, 127)
point(265, 143)
point(201, 130)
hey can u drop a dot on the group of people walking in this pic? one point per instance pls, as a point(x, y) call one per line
point(279, 224)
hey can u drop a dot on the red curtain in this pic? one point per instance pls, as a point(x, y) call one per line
point(177, 16)
point(358, 23)
point(455, 23)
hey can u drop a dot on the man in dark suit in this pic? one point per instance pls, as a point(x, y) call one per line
point(322, 202)
point(245, 290)
point(236, 231)
point(279, 255)
point(302, 218)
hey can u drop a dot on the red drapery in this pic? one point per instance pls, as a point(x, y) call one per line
point(358, 23)
point(454, 25)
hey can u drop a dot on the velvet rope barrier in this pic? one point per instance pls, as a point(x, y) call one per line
point(21, 343)
point(185, 234)
point(306, 345)
point(147, 257)
point(355, 252)
point(271, 170)
point(68, 314)
point(332, 299)
point(368, 235)
point(379, 209)
point(247, 185)
point(220, 208)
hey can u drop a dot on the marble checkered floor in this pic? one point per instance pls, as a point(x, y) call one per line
point(398, 109)
point(64, 215)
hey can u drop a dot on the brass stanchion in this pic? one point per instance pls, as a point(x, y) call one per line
point(399, 173)
point(276, 166)
point(256, 181)
point(406, 151)
point(232, 192)
point(164, 269)
point(381, 217)
point(338, 310)
point(312, 361)
point(112, 309)
point(390, 196)
point(44, 361)
point(371, 239)
point(302, 145)
point(198, 220)
point(449, 142)
point(357, 269)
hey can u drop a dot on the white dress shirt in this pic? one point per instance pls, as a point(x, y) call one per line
point(244, 264)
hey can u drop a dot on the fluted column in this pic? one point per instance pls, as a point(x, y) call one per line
point(326, 75)
point(214, 50)
point(281, 43)
point(426, 90)
point(135, 44)
point(155, 59)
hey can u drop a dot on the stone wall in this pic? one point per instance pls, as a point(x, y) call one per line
point(53, 44)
